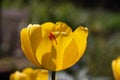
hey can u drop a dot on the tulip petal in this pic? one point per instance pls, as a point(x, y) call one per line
point(27, 71)
point(50, 45)
point(26, 46)
point(43, 50)
point(80, 37)
point(62, 27)
point(35, 36)
point(49, 54)
point(116, 68)
point(42, 75)
point(76, 48)
point(63, 42)
point(70, 54)
point(48, 27)
point(18, 76)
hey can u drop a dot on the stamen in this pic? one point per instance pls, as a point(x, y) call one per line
point(64, 33)
point(52, 37)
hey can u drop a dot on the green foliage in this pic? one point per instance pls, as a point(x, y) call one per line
point(15, 4)
point(100, 53)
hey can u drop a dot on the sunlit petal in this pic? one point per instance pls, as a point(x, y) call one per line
point(62, 27)
point(27, 71)
point(43, 51)
point(80, 36)
point(42, 75)
point(18, 76)
point(30, 74)
point(70, 54)
point(47, 27)
point(51, 53)
point(62, 43)
point(35, 36)
point(116, 68)
point(26, 47)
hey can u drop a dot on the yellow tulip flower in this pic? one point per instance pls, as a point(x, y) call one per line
point(18, 76)
point(30, 74)
point(53, 46)
point(116, 68)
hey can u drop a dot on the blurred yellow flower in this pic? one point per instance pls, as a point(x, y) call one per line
point(53, 46)
point(116, 68)
point(30, 74)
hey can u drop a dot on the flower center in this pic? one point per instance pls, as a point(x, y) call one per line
point(52, 36)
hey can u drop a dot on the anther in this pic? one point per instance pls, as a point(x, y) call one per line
point(52, 37)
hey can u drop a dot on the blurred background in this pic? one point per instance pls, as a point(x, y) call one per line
point(102, 17)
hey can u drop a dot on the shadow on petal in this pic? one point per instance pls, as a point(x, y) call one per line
point(49, 59)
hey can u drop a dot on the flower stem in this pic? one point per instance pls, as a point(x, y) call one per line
point(53, 75)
